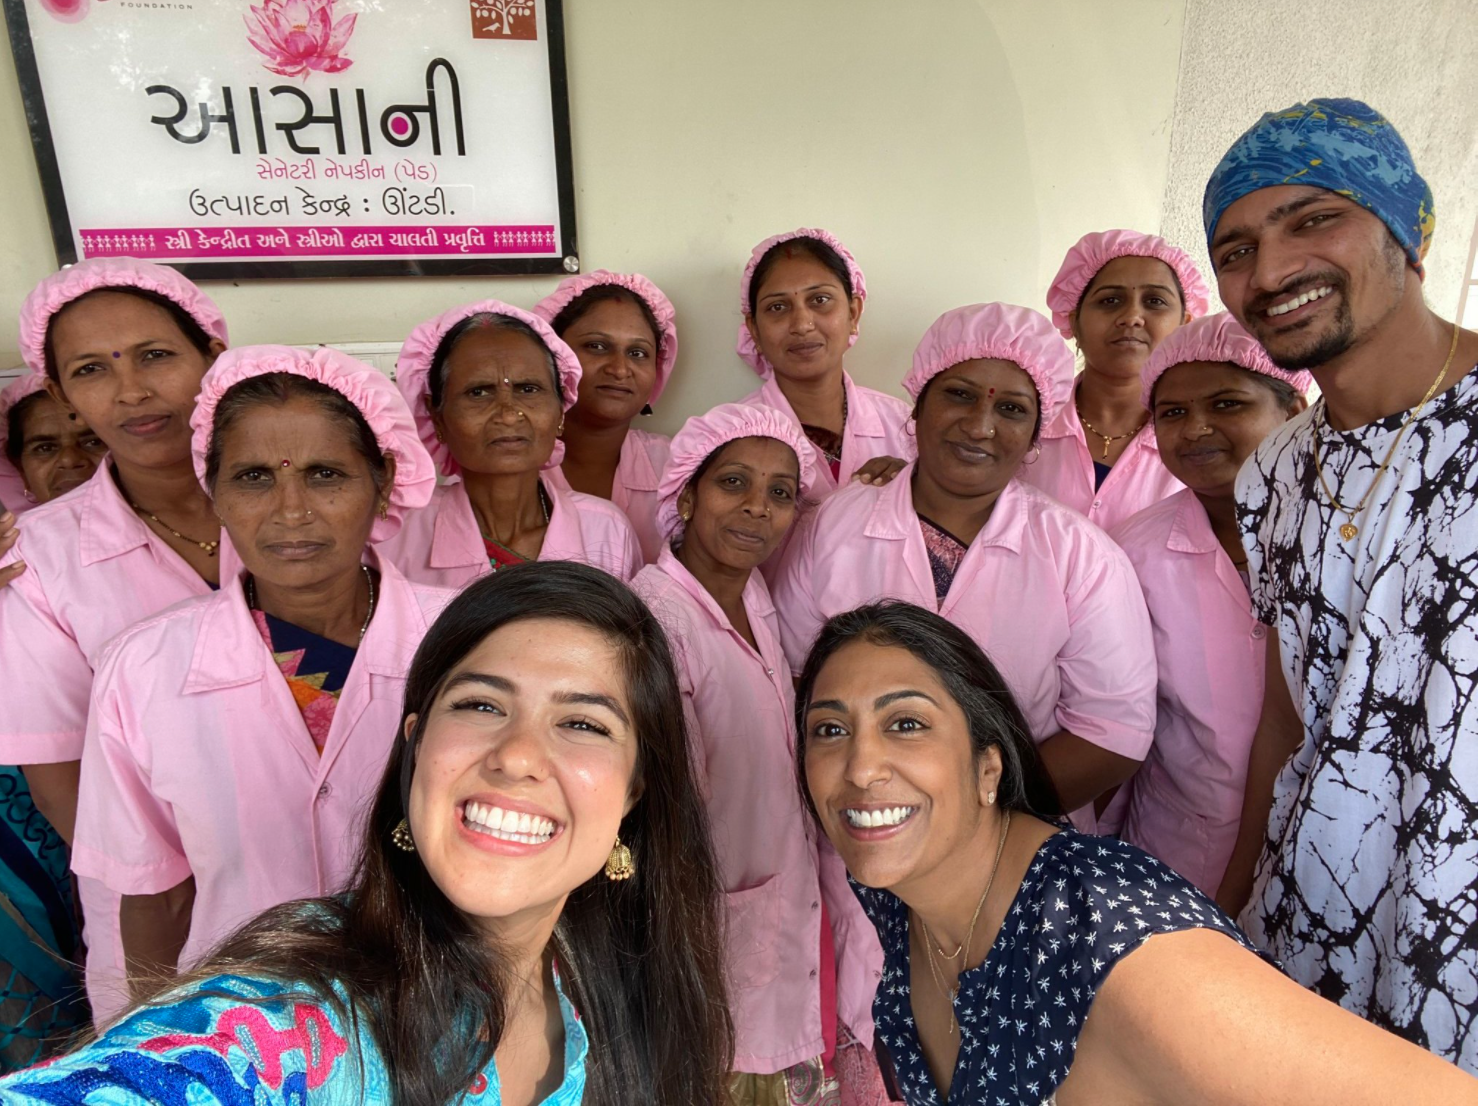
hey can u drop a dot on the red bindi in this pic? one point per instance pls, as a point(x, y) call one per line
point(116, 355)
point(991, 392)
point(285, 462)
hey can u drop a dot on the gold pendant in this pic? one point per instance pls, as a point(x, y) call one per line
point(1348, 531)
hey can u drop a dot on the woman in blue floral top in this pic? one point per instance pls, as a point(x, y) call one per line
point(1028, 963)
point(535, 910)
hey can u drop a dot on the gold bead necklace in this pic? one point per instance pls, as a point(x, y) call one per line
point(1348, 529)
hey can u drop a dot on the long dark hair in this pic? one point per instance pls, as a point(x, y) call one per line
point(641, 959)
point(192, 330)
point(971, 680)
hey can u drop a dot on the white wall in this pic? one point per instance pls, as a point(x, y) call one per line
point(1416, 61)
point(958, 147)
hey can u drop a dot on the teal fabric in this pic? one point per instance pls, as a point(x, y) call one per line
point(41, 996)
point(238, 1041)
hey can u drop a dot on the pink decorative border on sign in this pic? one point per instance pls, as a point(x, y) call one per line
point(278, 243)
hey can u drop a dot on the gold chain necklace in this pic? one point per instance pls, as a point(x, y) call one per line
point(950, 993)
point(209, 547)
point(1108, 439)
point(544, 506)
point(1348, 529)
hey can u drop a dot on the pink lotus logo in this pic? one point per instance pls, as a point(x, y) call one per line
point(299, 36)
point(68, 11)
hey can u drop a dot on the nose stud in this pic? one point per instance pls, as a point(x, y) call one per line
point(992, 433)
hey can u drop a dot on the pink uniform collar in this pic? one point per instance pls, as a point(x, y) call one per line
point(456, 541)
point(387, 649)
point(756, 596)
point(893, 516)
point(863, 419)
point(1191, 531)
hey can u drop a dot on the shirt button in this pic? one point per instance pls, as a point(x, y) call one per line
point(1259, 631)
point(877, 974)
point(769, 672)
point(815, 905)
point(813, 973)
point(324, 790)
point(1097, 503)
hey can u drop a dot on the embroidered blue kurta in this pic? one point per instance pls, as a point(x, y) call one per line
point(239, 1041)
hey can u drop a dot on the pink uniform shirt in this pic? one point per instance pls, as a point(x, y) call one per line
point(1186, 801)
point(198, 761)
point(634, 490)
point(441, 544)
point(13, 490)
point(775, 866)
point(95, 569)
point(1051, 600)
point(1065, 472)
point(876, 427)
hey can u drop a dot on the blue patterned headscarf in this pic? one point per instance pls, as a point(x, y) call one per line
point(1345, 146)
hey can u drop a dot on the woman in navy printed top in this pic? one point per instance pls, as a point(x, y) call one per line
point(1008, 936)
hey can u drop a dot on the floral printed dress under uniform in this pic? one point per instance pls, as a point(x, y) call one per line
point(315, 668)
point(1084, 904)
point(239, 1041)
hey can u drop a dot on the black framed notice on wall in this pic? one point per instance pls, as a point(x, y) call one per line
point(312, 138)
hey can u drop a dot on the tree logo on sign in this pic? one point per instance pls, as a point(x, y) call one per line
point(504, 19)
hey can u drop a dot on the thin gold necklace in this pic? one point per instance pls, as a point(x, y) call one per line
point(209, 547)
point(949, 993)
point(544, 506)
point(1348, 529)
point(251, 598)
point(1108, 439)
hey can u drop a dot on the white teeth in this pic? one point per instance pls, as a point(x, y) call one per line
point(872, 819)
point(1299, 301)
point(510, 825)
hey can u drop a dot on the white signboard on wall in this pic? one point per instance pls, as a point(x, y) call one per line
point(271, 138)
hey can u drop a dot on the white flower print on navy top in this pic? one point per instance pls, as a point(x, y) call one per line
point(1367, 889)
point(1085, 903)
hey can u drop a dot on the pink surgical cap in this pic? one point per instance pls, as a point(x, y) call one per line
point(68, 284)
point(1216, 338)
point(702, 434)
point(745, 343)
point(571, 288)
point(1093, 251)
point(13, 393)
point(996, 330)
point(368, 389)
point(413, 371)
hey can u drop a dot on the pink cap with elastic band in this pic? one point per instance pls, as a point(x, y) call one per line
point(745, 343)
point(702, 434)
point(1216, 338)
point(68, 284)
point(372, 394)
point(13, 393)
point(1093, 251)
point(571, 288)
point(413, 371)
point(996, 330)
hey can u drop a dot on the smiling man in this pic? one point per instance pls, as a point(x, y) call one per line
point(1356, 862)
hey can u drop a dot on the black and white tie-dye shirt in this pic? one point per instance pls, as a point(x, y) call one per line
point(1367, 890)
point(1084, 904)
